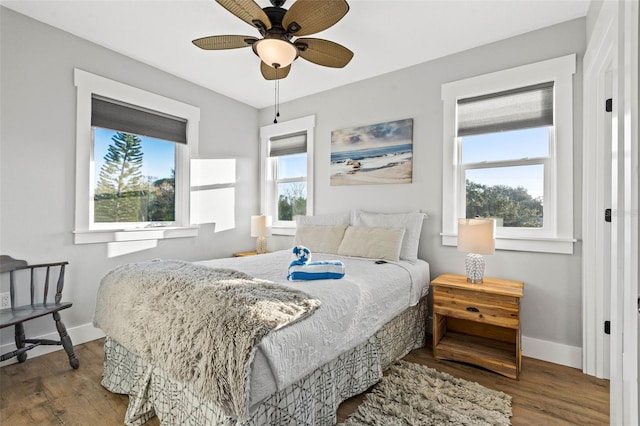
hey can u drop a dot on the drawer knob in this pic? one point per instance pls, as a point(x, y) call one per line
point(472, 309)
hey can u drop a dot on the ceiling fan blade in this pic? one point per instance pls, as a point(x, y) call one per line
point(270, 73)
point(306, 17)
point(222, 42)
point(247, 10)
point(323, 52)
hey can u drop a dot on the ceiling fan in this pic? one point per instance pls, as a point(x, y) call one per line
point(281, 30)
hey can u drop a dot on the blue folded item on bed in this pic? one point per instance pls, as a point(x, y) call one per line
point(322, 270)
point(302, 269)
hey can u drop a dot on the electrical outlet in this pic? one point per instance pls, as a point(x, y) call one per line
point(5, 300)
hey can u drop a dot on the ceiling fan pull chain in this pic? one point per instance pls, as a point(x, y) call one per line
point(275, 98)
point(275, 102)
point(278, 109)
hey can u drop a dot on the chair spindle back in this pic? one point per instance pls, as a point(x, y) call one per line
point(34, 279)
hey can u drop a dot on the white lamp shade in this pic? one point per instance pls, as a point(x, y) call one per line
point(260, 226)
point(477, 236)
point(275, 51)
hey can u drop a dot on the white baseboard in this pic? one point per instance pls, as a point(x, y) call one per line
point(80, 334)
point(558, 353)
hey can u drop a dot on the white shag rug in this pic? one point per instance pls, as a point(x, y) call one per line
point(413, 394)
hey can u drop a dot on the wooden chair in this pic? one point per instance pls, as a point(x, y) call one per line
point(17, 315)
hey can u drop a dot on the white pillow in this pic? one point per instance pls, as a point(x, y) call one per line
point(411, 222)
point(373, 243)
point(320, 238)
point(324, 219)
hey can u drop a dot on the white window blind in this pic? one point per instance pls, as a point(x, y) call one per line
point(521, 108)
point(116, 115)
point(288, 145)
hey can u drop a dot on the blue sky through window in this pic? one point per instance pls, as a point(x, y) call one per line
point(505, 146)
point(292, 166)
point(158, 160)
point(511, 145)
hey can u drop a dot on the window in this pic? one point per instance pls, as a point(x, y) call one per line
point(504, 144)
point(287, 183)
point(508, 138)
point(134, 179)
point(288, 161)
point(133, 163)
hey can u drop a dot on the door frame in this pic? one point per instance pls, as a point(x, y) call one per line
point(600, 61)
point(613, 48)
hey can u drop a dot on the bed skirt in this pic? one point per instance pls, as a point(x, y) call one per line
point(312, 400)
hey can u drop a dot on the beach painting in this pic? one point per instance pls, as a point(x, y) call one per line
point(374, 154)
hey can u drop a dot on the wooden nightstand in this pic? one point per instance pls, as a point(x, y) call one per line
point(245, 253)
point(478, 323)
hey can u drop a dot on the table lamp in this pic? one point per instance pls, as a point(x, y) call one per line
point(261, 228)
point(476, 237)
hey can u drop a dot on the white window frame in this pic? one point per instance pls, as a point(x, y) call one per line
point(268, 171)
point(557, 234)
point(85, 232)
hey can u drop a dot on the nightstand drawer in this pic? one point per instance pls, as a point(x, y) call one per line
point(477, 306)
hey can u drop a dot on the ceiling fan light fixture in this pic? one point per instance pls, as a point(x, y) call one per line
point(275, 52)
point(278, 27)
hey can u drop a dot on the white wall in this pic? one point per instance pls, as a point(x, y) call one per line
point(551, 308)
point(37, 159)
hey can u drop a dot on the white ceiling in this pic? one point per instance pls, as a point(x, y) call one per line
point(384, 35)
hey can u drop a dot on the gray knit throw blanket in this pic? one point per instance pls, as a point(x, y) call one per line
point(200, 325)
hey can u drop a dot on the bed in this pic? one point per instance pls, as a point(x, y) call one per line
point(299, 373)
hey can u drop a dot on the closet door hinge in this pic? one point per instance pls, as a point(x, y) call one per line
point(607, 215)
point(607, 327)
point(608, 105)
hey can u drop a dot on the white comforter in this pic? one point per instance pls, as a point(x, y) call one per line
point(353, 309)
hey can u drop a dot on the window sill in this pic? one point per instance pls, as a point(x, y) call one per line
point(138, 234)
point(541, 245)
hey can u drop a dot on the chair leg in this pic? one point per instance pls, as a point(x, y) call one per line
point(19, 337)
point(66, 341)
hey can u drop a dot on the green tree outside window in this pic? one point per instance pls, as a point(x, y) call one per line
point(513, 205)
point(292, 201)
point(123, 194)
point(119, 192)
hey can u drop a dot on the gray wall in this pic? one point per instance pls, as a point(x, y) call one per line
point(37, 161)
point(551, 308)
point(38, 144)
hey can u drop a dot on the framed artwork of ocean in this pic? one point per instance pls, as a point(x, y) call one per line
point(373, 154)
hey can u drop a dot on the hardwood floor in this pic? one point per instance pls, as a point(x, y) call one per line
point(46, 391)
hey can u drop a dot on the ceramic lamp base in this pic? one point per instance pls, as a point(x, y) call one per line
point(261, 245)
point(474, 265)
